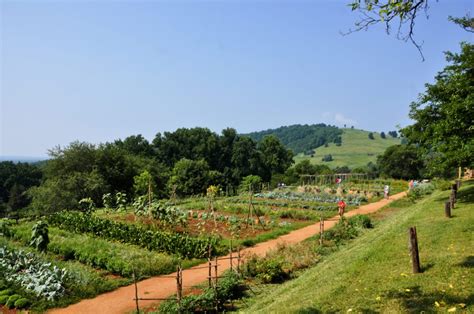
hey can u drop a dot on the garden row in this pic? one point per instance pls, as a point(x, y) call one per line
point(182, 245)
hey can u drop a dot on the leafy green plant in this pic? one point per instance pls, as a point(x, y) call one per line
point(121, 201)
point(108, 201)
point(5, 227)
point(87, 205)
point(39, 236)
point(22, 303)
point(11, 300)
point(32, 273)
point(169, 242)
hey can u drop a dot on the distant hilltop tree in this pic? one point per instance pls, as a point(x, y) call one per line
point(327, 158)
point(371, 136)
point(393, 134)
point(382, 135)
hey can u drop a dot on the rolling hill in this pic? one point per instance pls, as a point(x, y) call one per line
point(356, 149)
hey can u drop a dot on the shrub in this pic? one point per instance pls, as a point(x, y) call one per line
point(255, 182)
point(268, 270)
point(361, 221)
point(11, 300)
point(420, 190)
point(230, 287)
point(5, 227)
point(22, 303)
point(6, 292)
point(4, 299)
point(327, 158)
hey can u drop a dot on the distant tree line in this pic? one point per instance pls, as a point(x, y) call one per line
point(302, 138)
point(185, 161)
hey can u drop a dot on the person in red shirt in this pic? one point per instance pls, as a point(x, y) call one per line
point(342, 206)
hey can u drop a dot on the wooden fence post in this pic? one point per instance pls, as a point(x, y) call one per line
point(136, 292)
point(415, 258)
point(179, 287)
point(447, 209)
point(458, 184)
point(454, 188)
point(321, 230)
point(452, 198)
point(238, 259)
point(215, 269)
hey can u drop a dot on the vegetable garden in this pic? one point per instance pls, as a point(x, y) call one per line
point(72, 255)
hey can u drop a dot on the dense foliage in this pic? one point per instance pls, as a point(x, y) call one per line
point(401, 162)
point(168, 242)
point(302, 138)
point(15, 180)
point(444, 115)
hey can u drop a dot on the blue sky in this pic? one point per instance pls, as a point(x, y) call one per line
point(100, 70)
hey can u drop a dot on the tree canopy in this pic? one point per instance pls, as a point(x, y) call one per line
point(444, 115)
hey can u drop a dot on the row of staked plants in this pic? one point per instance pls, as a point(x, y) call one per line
point(180, 244)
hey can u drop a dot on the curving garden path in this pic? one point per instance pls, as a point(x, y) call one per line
point(121, 300)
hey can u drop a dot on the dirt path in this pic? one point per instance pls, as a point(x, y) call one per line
point(121, 300)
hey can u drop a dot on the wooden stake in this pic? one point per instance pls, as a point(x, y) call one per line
point(452, 199)
point(179, 287)
point(136, 292)
point(321, 230)
point(415, 258)
point(215, 270)
point(447, 209)
point(231, 266)
point(238, 259)
point(210, 267)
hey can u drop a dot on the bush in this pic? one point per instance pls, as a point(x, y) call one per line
point(327, 158)
point(5, 227)
point(4, 299)
point(268, 270)
point(6, 292)
point(22, 303)
point(250, 181)
point(230, 287)
point(420, 190)
point(11, 300)
point(361, 221)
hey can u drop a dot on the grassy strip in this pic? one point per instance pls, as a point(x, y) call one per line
point(373, 273)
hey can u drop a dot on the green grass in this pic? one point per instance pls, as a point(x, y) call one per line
point(373, 273)
point(356, 149)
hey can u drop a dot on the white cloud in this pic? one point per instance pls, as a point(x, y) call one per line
point(337, 118)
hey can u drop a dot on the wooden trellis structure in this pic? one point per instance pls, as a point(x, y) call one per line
point(328, 179)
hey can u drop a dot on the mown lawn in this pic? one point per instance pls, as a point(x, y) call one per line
point(373, 272)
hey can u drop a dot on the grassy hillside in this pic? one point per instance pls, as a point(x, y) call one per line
point(356, 149)
point(373, 273)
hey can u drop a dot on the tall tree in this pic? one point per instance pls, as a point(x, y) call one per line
point(276, 158)
point(401, 162)
point(444, 115)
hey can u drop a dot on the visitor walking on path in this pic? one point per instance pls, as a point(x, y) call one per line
point(386, 191)
point(342, 207)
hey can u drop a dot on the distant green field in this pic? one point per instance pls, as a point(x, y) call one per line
point(356, 149)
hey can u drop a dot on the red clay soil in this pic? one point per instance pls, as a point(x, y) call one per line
point(121, 300)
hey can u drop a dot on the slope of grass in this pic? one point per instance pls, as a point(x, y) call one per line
point(373, 273)
point(356, 149)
